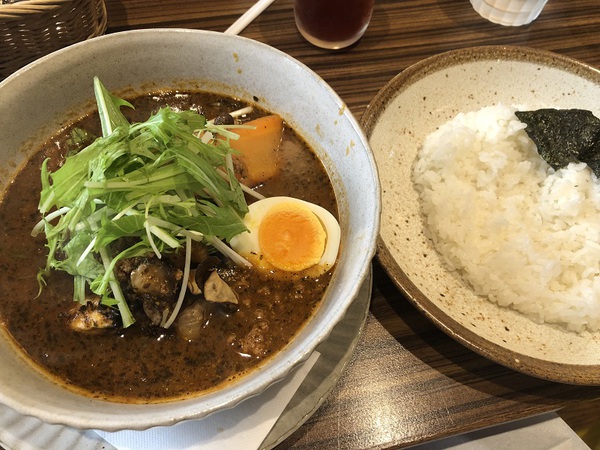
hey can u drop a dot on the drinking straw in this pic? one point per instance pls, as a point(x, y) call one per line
point(246, 18)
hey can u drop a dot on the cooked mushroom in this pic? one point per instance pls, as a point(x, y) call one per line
point(192, 285)
point(152, 311)
point(224, 119)
point(206, 266)
point(92, 316)
point(155, 278)
point(217, 291)
point(192, 320)
point(199, 275)
point(200, 252)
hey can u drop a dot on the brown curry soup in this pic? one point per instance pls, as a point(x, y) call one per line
point(144, 363)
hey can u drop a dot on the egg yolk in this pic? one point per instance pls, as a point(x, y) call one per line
point(291, 237)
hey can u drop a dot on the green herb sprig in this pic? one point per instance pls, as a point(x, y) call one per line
point(156, 181)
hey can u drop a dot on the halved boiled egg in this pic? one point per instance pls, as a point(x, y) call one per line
point(289, 234)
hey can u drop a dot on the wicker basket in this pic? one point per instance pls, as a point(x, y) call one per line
point(33, 28)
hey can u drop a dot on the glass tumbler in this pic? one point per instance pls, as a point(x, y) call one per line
point(333, 24)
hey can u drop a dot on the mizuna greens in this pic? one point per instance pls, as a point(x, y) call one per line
point(164, 182)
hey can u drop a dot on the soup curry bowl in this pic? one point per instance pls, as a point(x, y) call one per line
point(54, 91)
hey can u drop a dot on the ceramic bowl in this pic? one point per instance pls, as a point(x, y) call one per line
point(414, 104)
point(37, 100)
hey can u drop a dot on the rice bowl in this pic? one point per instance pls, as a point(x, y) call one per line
point(409, 108)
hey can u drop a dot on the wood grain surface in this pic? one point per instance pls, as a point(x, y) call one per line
point(407, 382)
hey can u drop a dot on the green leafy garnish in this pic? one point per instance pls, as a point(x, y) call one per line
point(156, 182)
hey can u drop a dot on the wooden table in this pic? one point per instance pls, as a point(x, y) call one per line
point(407, 381)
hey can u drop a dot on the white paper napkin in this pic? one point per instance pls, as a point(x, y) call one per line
point(543, 432)
point(245, 426)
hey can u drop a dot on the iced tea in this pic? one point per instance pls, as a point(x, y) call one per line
point(333, 24)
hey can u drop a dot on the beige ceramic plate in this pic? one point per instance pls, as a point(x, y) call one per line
point(410, 107)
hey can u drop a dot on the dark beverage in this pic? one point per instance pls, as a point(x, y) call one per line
point(333, 23)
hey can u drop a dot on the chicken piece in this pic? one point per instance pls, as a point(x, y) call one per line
point(92, 316)
point(256, 342)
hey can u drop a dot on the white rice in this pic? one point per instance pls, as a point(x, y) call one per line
point(521, 234)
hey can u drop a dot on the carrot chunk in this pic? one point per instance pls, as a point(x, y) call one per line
point(258, 159)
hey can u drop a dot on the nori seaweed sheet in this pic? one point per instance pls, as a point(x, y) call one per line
point(563, 136)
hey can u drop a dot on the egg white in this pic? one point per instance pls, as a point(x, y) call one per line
point(247, 243)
